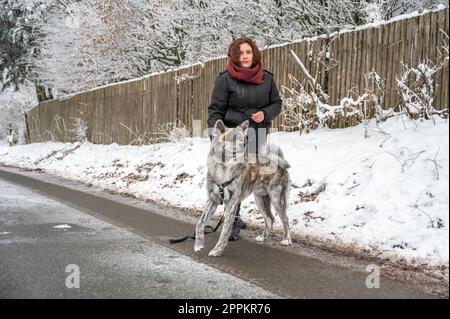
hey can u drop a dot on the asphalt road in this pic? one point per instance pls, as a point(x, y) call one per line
point(121, 251)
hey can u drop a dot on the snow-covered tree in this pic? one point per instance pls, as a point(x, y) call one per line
point(95, 42)
point(87, 45)
point(19, 21)
point(15, 40)
point(13, 104)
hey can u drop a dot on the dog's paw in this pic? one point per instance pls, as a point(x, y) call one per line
point(215, 253)
point(198, 247)
point(260, 238)
point(286, 242)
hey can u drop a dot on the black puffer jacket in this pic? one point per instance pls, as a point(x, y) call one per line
point(235, 101)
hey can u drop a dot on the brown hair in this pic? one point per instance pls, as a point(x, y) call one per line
point(234, 51)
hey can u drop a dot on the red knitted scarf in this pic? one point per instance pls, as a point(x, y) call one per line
point(252, 75)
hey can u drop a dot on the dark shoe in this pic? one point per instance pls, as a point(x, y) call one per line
point(237, 225)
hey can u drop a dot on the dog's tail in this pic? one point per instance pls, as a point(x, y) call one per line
point(283, 163)
point(273, 152)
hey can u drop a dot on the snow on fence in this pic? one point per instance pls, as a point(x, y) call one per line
point(138, 111)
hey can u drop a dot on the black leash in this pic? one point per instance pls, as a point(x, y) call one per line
point(212, 230)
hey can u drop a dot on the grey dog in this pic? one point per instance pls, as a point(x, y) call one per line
point(233, 174)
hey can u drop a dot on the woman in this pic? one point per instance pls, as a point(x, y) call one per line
point(245, 91)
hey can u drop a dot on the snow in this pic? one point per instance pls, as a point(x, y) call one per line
point(379, 22)
point(385, 195)
point(65, 226)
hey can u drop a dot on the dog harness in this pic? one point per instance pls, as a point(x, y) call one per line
point(222, 189)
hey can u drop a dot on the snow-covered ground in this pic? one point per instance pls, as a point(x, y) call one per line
point(385, 195)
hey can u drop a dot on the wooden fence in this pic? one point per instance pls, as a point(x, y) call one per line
point(134, 111)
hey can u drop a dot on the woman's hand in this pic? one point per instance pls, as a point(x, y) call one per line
point(258, 117)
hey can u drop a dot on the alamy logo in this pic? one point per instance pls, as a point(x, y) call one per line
point(73, 280)
point(373, 280)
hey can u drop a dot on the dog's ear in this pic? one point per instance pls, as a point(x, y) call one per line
point(244, 125)
point(220, 127)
